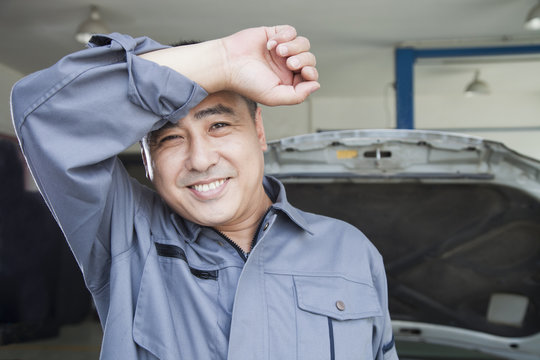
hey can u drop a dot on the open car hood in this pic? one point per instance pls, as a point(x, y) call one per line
point(456, 218)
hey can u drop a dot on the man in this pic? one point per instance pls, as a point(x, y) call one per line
point(216, 264)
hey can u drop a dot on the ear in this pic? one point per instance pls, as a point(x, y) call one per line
point(259, 127)
point(147, 160)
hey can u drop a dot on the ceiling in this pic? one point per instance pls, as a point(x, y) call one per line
point(353, 39)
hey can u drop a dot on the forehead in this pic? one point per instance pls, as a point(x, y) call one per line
point(223, 102)
point(228, 98)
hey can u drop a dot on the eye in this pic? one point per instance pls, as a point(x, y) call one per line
point(219, 125)
point(169, 138)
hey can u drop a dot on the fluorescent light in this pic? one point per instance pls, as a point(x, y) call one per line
point(477, 86)
point(532, 22)
point(91, 26)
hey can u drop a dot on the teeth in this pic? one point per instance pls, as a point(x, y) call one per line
point(207, 187)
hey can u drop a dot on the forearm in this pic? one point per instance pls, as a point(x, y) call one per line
point(204, 63)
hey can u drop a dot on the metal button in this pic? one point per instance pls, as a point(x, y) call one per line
point(340, 305)
point(266, 226)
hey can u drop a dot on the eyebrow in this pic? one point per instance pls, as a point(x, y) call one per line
point(214, 110)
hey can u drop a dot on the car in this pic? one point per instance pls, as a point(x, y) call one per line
point(456, 219)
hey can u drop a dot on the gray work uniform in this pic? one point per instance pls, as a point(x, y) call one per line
point(312, 287)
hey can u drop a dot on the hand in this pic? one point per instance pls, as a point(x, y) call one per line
point(271, 65)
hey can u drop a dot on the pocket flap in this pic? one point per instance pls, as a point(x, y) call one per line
point(336, 297)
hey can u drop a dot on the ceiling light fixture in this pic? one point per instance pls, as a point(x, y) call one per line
point(92, 25)
point(532, 22)
point(477, 86)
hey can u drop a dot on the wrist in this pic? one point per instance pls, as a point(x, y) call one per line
point(204, 63)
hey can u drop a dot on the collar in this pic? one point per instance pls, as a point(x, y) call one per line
point(276, 191)
point(189, 231)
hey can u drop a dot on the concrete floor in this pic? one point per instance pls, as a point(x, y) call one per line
point(75, 342)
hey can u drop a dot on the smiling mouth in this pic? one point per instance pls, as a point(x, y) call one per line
point(208, 187)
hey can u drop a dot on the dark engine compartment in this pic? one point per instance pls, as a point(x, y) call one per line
point(447, 247)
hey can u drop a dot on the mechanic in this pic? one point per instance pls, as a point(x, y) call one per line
point(214, 264)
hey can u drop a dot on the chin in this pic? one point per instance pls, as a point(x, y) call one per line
point(213, 221)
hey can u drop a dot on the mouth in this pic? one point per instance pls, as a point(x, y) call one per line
point(202, 188)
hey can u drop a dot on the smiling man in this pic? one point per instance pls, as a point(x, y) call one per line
point(215, 263)
point(209, 166)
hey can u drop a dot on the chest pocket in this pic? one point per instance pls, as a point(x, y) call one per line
point(335, 317)
point(173, 251)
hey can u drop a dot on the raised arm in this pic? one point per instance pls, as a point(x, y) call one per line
point(73, 118)
point(271, 65)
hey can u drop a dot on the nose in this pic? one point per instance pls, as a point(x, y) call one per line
point(202, 154)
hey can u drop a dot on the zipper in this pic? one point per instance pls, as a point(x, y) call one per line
point(331, 333)
point(244, 255)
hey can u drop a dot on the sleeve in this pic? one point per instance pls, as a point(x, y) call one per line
point(384, 347)
point(73, 118)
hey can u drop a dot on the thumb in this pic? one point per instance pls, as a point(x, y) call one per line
point(290, 95)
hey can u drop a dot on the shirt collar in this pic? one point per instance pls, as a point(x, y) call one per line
point(276, 191)
point(189, 231)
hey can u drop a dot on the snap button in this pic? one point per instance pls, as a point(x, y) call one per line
point(340, 305)
point(266, 226)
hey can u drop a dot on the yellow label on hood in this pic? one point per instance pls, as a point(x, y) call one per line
point(347, 154)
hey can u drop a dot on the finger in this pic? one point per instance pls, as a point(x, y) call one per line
point(279, 34)
point(290, 95)
point(299, 61)
point(310, 73)
point(306, 88)
point(307, 74)
point(297, 79)
point(293, 47)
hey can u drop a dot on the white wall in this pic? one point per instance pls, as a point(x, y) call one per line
point(284, 121)
point(329, 113)
point(485, 117)
point(513, 119)
point(7, 78)
point(510, 114)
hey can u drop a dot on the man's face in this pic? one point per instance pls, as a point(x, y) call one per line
point(209, 167)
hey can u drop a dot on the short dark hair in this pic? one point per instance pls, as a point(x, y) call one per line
point(252, 106)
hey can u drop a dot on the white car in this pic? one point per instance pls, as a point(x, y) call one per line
point(457, 220)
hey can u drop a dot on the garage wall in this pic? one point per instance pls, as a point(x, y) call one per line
point(330, 113)
point(513, 119)
point(8, 77)
point(510, 114)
